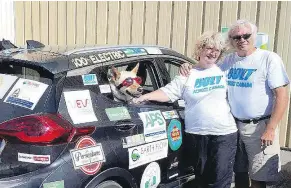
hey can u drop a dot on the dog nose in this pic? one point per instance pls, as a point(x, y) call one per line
point(139, 89)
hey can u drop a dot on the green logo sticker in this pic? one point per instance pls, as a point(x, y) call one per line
point(118, 113)
point(56, 184)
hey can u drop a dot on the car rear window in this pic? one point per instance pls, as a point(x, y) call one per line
point(25, 90)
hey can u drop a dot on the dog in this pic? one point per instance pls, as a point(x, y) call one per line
point(125, 85)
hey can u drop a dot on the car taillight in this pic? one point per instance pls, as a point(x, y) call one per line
point(42, 129)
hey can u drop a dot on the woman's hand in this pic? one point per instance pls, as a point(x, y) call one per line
point(140, 99)
point(185, 69)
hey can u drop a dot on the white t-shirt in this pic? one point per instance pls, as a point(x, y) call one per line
point(207, 111)
point(250, 82)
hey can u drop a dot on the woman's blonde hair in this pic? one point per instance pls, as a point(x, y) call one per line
point(209, 39)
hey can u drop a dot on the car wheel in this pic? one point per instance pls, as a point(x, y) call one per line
point(109, 184)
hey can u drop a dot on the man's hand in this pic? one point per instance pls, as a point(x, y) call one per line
point(268, 137)
point(185, 69)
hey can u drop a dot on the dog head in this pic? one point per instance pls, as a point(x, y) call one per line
point(126, 82)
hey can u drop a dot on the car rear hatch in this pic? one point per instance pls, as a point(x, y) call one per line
point(32, 134)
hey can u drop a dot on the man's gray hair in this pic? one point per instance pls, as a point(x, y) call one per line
point(243, 23)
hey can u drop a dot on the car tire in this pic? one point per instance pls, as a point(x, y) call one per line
point(109, 184)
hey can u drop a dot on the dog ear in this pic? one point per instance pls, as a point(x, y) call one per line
point(135, 69)
point(114, 73)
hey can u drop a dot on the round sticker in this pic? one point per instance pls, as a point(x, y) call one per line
point(175, 134)
point(91, 169)
point(151, 176)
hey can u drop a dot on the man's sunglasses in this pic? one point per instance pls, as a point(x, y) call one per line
point(129, 81)
point(244, 36)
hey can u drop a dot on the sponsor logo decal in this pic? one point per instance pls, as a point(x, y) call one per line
point(170, 114)
point(154, 125)
point(132, 141)
point(105, 88)
point(118, 113)
point(147, 153)
point(31, 158)
point(175, 134)
point(55, 184)
point(89, 79)
point(80, 106)
point(26, 93)
point(134, 51)
point(88, 156)
point(151, 176)
point(135, 155)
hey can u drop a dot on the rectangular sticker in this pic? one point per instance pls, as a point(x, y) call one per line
point(86, 156)
point(118, 113)
point(6, 82)
point(26, 93)
point(147, 153)
point(31, 158)
point(55, 184)
point(170, 114)
point(79, 106)
point(105, 88)
point(89, 79)
point(129, 52)
point(153, 50)
point(154, 125)
point(132, 141)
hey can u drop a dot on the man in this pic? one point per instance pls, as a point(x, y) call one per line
point(258, 98)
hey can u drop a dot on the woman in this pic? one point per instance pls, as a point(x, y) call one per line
point(210, 128)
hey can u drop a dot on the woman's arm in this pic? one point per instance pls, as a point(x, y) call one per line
point(171, 92)
point(157, 95)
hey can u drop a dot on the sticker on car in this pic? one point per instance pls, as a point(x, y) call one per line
point(88, 156)
point(89, 79)
point(32, 158)
point(170, 114)
point(151, 176)
point(129, 52)
point(175, 134)
point(154, 125)
point(55, 184)
point(105, 88)
point(26, 93)
point(117, 113)
point(79, 105)
point(6, 82)
point(147, 153)
point(153, 50)
point(132, 141)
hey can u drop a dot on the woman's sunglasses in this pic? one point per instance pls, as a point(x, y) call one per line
point(129, 81)
point(244, 36)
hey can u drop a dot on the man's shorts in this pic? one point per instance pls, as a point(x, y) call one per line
point(263, 162)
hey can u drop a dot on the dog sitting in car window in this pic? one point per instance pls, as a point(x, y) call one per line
point(125, 85)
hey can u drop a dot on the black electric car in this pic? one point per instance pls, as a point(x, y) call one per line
point(61, 127)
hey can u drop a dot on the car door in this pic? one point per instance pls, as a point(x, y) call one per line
point(142, 139)
point(168, 68)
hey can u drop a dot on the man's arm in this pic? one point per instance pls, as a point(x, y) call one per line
point(280, 105)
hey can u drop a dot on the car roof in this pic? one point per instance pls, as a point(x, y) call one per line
point(57, 59)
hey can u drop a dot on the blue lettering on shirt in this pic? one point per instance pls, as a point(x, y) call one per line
point(239, 74)
point(203, 82)
point(207, 84)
